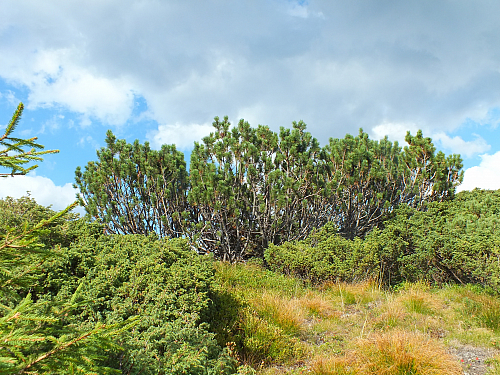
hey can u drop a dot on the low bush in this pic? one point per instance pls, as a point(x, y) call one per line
point(325, 256)
point(162, 282)
point(455, 241)
point(451, 242)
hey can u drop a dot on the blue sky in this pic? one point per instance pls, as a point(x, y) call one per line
point(160, 71)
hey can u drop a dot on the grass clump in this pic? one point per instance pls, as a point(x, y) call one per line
point(266, 343)
point(283, 325)
point(268, 313)
point(392, 353)
point(417, 298)
point(284, 313)
point(484, 309)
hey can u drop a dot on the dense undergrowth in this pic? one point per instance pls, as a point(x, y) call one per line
point(456, 241)
point(398, 301)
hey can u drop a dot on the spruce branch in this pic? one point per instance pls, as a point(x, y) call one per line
point(14, 154)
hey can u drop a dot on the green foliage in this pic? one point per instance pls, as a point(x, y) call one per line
point(134, 189)
point(451, 241)
point(326, 256)
point(37, 336)
point(163, 283)
point(367, 179)
point(249, 188)
point(25, 212)
point(13, 156)
point(455, 241)
point(252, 187)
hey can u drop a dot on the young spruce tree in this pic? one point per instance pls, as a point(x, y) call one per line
point(34, 336)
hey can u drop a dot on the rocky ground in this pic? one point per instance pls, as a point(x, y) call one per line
point(474, 360)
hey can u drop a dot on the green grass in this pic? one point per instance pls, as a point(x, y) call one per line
point(284, 326)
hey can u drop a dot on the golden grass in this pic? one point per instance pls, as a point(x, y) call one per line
point(392, 314)
point(401, 352)
point(349, 294)
point(332, 366)
point(417, 299)
point(339, 328)
point(317, 305)
point(286, 313)
point(392, 353)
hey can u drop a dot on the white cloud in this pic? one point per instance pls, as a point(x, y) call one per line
point(458, 146)
point(183, 136)
point(10, 97)
point(394, 131)
point(58, 78)
point(42, 189)
point(442, 141)
point(88, 140)
point(303, 11)
point(484, 176)
point(337, 65)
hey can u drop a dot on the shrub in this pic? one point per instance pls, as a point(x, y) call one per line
point(162, 282)
point(453, 241)
point(37, 337)
point(325, 256)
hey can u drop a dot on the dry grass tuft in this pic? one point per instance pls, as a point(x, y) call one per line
point(317, 305)
point(392, 353)
point(322, 365)
point(285, 313)
point(351, 294)
point(392, 315)
point(399, 352)
point(417, 299)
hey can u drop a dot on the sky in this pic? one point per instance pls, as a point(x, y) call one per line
point(160, 71)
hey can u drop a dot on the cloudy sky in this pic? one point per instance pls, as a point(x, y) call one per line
point(159, 71)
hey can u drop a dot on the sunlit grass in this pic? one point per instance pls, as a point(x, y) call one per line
point(495, 366)
point(289, 327)
point(392, 353)
point(350, 294)
point(266, 343)
point(285, 313)
point(391, 314)
point(418, 299)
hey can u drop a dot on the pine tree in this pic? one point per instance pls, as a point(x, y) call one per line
point(368, 179)
point(251, 187)
point(34, 336)
point(134, 189)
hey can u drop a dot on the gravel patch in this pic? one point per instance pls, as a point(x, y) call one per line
point(473, 359)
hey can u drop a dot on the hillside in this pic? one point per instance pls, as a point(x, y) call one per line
point(417, 291)
point(286, 327)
